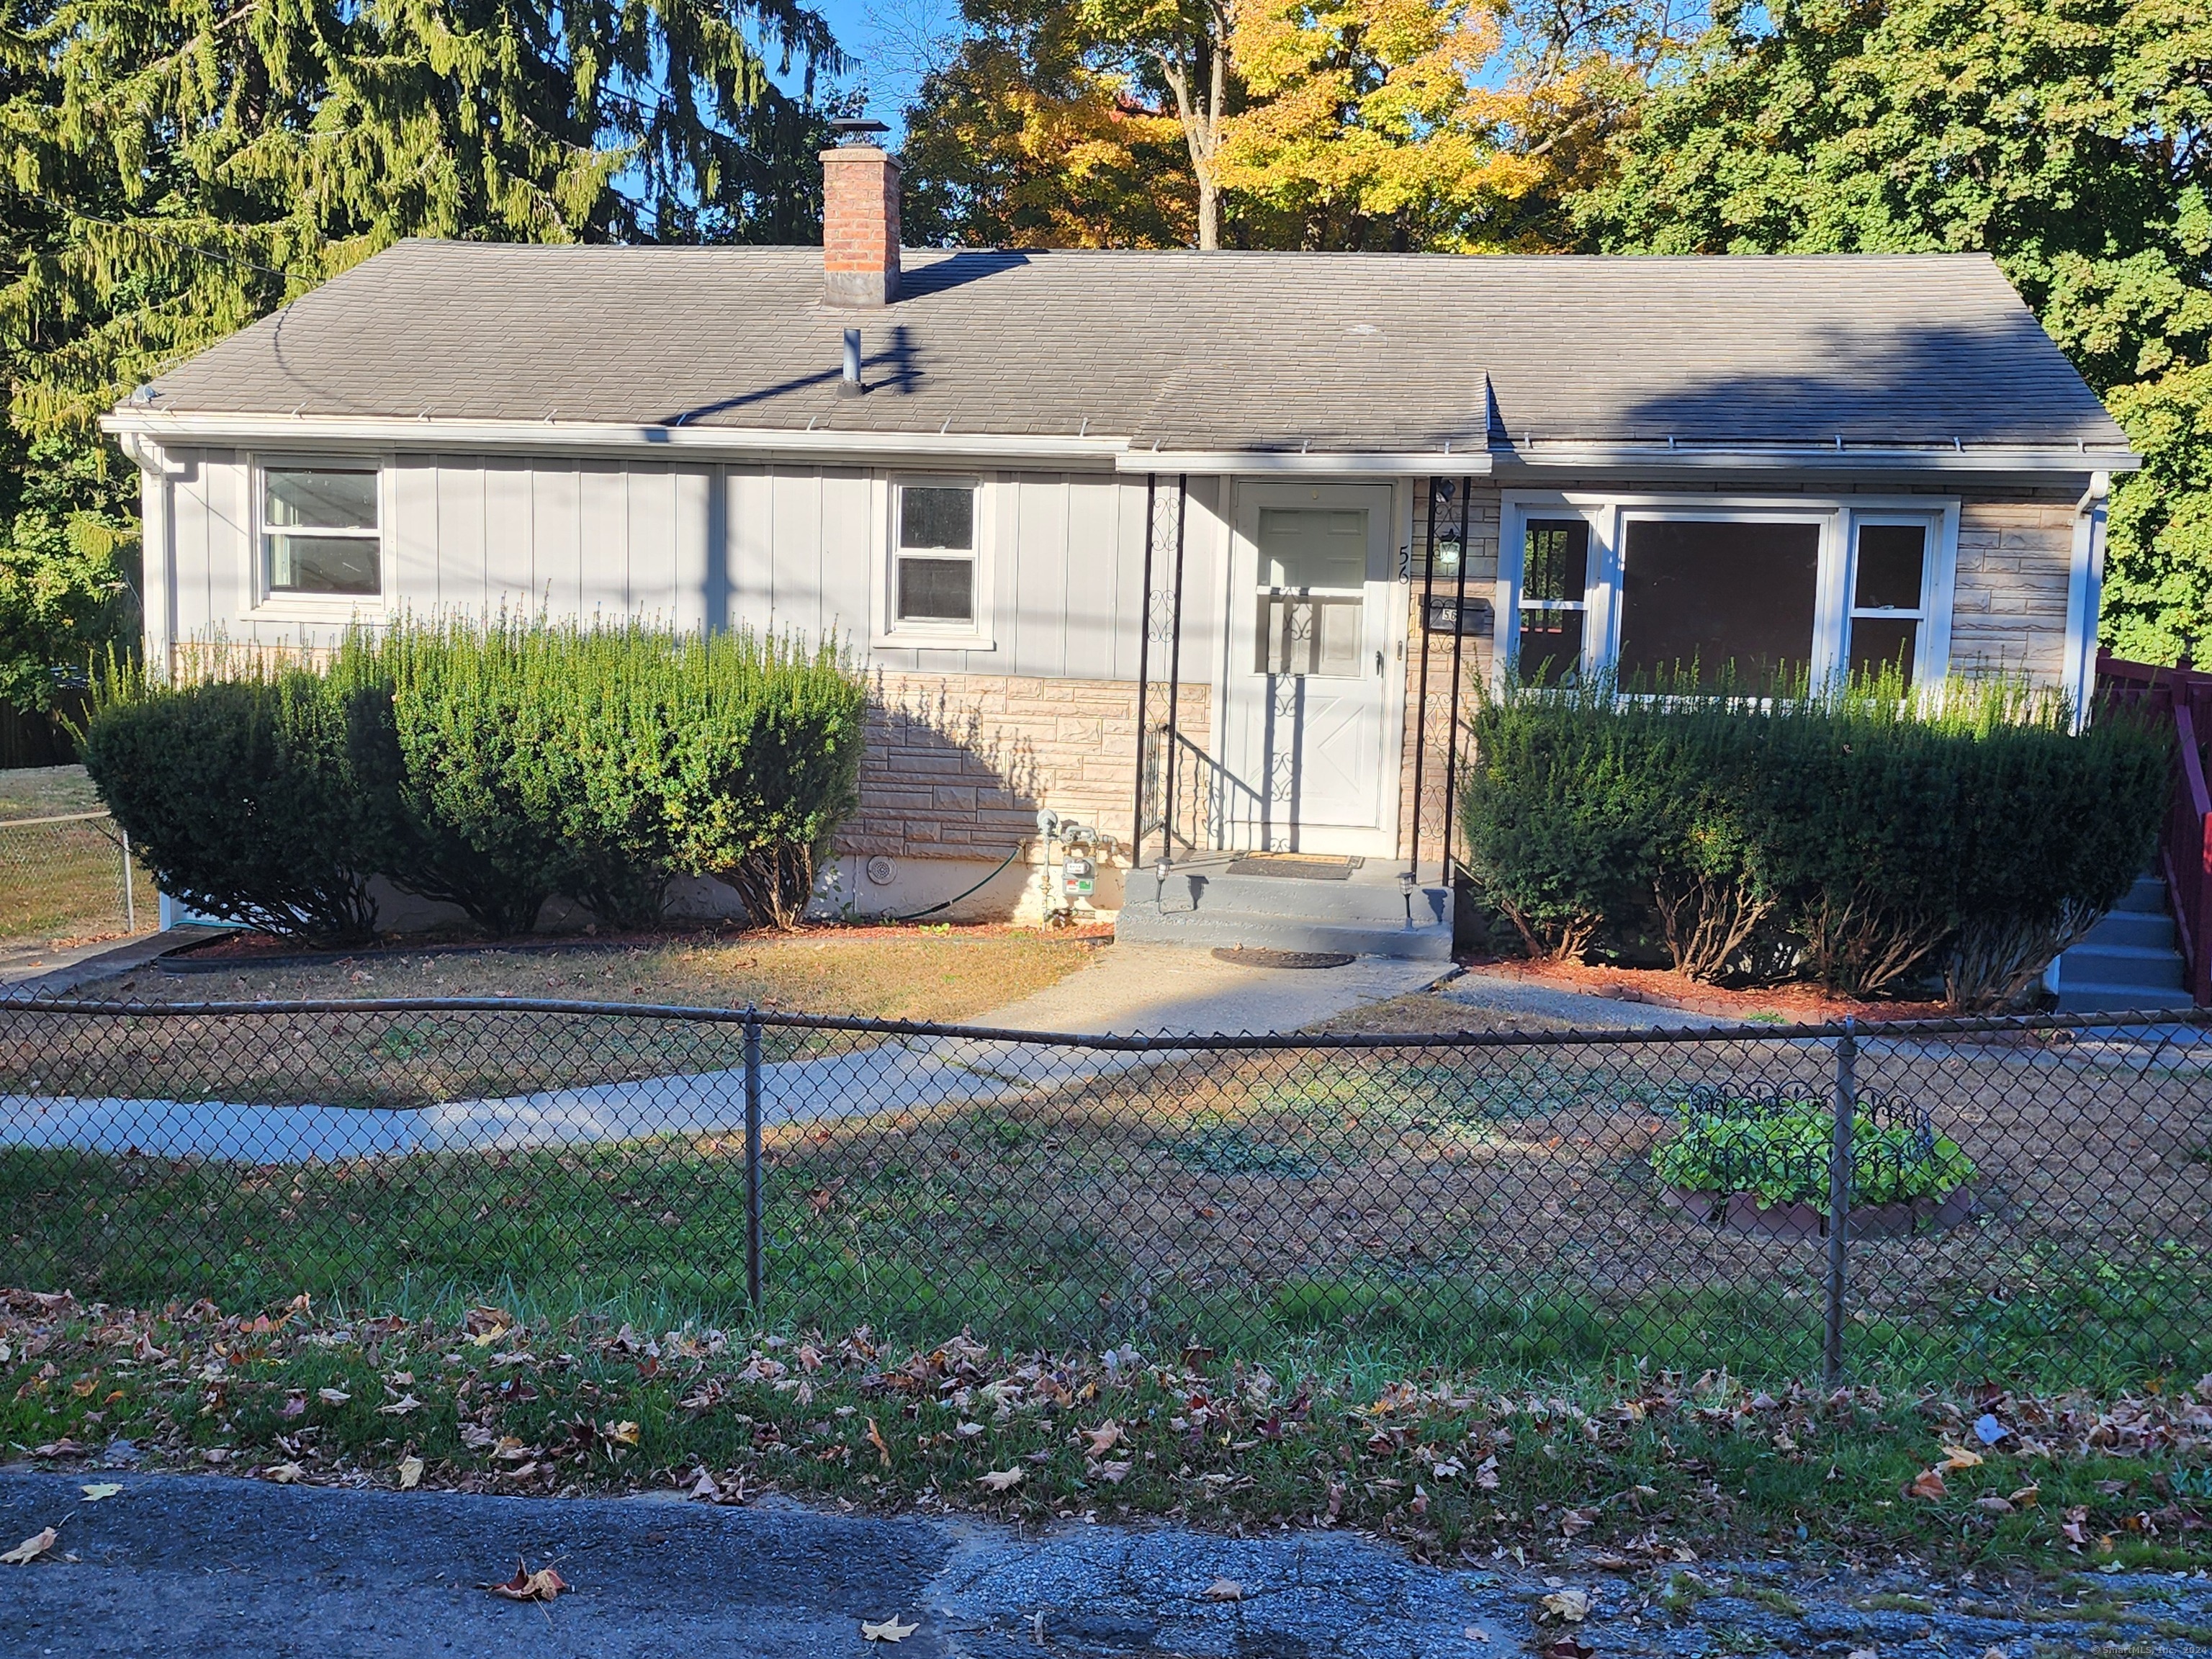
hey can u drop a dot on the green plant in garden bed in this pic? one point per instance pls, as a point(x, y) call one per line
point(1779, 1150)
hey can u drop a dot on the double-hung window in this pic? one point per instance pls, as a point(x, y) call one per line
point(1554, 598)
point(934, 560)
point(1889, 598)
point(320, 531)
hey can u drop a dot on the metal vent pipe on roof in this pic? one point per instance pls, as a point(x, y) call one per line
point(849, 386)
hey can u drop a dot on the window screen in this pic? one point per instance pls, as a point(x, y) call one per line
point(1890, 560)
point(1303, 547)
point(1304, 636)
point(1555, 560)
point(935, 578)
point(1732, 601)
point(319, 531)
point(1311, 603)
point(938, 515)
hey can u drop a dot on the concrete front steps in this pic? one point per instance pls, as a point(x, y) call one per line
point(1201, 903)
point(2130, 959)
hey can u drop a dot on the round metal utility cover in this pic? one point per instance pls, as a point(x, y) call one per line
point(1259, 956)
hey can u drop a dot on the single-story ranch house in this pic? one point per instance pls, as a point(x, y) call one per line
point(1199, 551)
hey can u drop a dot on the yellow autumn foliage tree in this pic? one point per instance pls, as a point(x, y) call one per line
point(1032, 137)
point(1432, 124)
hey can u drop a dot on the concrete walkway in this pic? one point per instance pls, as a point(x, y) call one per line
point(26, 973)
point(222, 1568)
point(1183, 990)
point(1162, 990)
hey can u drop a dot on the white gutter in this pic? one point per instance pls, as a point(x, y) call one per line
point(1337, 464)
point(552, 436)
point(1801, 458)
point(555, 435)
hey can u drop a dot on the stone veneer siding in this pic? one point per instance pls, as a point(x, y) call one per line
point(2015, 563)
point(958, 765)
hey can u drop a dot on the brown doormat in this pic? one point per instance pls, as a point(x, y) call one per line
point(1259, 956)
point(1306, 867)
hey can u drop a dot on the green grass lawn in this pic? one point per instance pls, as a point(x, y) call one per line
point(65, 881)
point(1431, 1292)
point(1618, 1468)
point(1085, 1225)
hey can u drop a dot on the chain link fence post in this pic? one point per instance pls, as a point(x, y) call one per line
point(1839, 1200)
point(753, 1157)
point(130, 888)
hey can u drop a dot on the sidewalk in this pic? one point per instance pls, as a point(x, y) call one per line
point(224, 1568)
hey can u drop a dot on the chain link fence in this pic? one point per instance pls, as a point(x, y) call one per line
point(1938, 1201)
point(69, 876)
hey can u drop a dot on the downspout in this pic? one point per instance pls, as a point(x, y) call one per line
point(157, 549)
point(2085, 589)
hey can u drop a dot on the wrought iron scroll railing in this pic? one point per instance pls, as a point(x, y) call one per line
point(1193, 802)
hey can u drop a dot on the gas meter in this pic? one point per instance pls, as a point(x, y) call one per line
point(1078, 877)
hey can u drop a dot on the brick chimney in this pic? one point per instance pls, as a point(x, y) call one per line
point(860, 225)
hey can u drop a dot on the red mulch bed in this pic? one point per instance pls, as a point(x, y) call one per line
point(1665, 988)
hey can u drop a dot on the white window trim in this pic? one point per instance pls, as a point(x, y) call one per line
point(1838, 517)
point(269, 604)
point(886, 628)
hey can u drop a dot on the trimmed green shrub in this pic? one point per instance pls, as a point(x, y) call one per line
point(598, 763)
point(1778, 1150)
point(1867, 839)
point(495, 765)
point(766, 764)
point(249, 798)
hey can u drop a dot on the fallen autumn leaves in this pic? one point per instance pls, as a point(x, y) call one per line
point(1649, 1469)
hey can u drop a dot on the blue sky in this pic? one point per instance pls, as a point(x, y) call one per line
point(888, 43)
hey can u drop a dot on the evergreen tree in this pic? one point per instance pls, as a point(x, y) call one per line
point(177, 168)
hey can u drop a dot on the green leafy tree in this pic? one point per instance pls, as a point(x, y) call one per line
point(2067, 137)
point(176, 169)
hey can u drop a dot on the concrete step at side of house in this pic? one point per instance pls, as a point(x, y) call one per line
point(2147, 894)
point(1141, 922)
point(2129, 960)
point(1363, 903)
point(2140, 930)
point(2086, 997)
point(2122, 964)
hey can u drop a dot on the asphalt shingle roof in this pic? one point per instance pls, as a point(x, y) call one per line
point(1213, 351)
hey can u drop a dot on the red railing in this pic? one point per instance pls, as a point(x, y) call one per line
point(2185, 845)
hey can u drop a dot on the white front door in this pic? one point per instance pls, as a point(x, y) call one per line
point(1310, 671)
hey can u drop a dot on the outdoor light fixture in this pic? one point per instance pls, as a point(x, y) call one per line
point(1448, 548)
point(1407, 882)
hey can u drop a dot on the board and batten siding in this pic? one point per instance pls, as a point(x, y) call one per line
point(779, 549)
